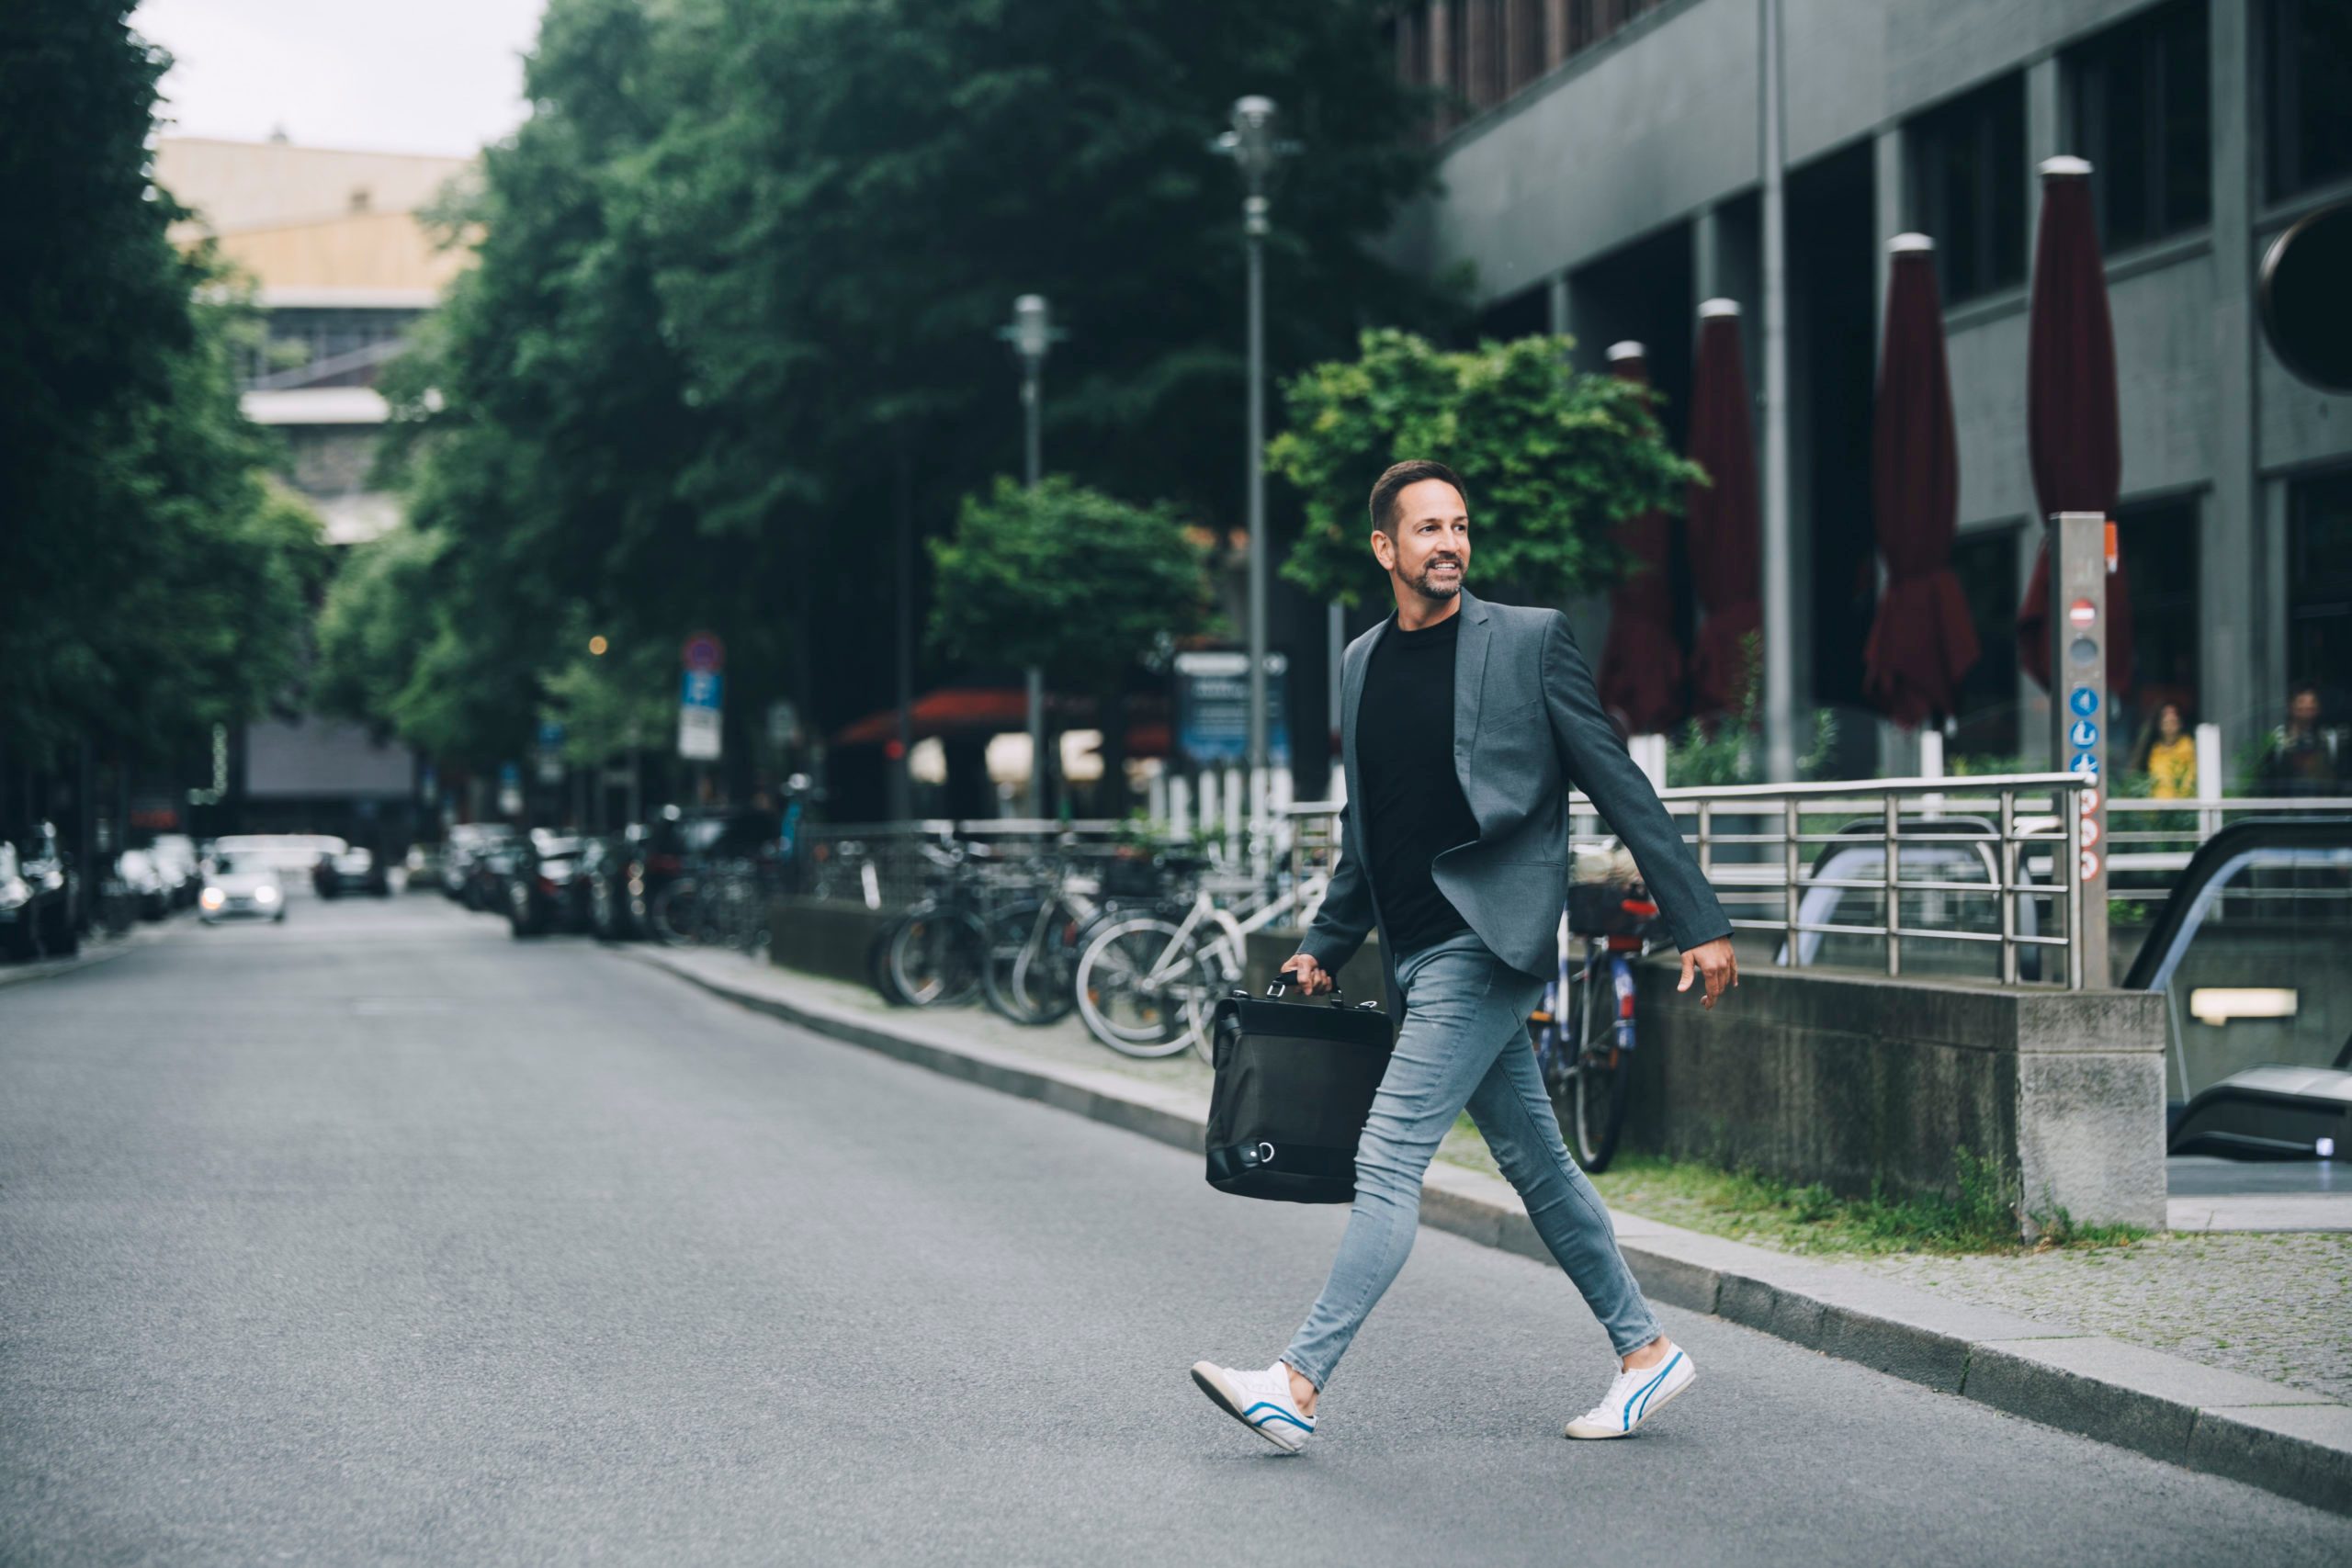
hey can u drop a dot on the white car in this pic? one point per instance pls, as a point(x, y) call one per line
point(240, 887)
point(291, 856)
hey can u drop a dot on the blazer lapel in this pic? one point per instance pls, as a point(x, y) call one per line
point(1469, 681)
point(1350, 696)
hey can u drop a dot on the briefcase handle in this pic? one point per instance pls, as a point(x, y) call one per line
point(1277, 990)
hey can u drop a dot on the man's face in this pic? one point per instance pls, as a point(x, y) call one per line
point(2304, 709)
point(1430, 551)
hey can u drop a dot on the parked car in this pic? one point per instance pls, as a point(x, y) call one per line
point(242, 885)
point(488, 870)
point(40, 898)
point(143, 885)
point(356, 870)
point(466, 843)
point(176, 856)
point(545, 891)
point(423, 864)
point(613, 867)
point(27, 905)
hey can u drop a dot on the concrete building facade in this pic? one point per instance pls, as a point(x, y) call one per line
point(1610, 174)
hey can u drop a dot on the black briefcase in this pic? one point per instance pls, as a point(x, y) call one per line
point(1294, 1082)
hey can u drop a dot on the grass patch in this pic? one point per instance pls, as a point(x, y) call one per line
point(1747, 1206)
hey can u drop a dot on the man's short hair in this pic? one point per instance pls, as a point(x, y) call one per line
point(1399, 475)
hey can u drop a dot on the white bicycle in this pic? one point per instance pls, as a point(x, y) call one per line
point(1146, 983)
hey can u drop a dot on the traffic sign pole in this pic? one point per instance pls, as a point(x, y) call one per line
point(2080, 714)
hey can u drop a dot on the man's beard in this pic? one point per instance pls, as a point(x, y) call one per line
point(1442, 588)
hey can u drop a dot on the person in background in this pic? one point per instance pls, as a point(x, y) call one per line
point(2305, 758)
point(2167, 754)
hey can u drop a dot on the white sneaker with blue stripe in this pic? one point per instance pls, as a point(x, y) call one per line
point(1635, 1397)
point(1260, 1401)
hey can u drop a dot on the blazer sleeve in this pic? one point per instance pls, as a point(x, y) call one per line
point(1593, 758)
point(1344, 918)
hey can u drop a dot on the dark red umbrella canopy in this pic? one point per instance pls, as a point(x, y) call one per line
point(1725, 545)
point(1641, 664)
point(1922, 642)
point(2070, 405)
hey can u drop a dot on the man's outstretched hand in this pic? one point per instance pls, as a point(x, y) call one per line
point(1713, 962)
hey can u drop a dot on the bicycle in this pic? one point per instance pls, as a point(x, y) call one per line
point(1031, 973)
point(1583, 1033)
point(1146, 985)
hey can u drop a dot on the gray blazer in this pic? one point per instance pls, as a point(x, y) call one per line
point(1527, 726)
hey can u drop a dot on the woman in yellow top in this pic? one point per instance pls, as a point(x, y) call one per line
point(2168, 755)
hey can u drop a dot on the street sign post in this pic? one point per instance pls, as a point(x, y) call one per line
point(2078, 718)
point(698, 709)
point(703, 657)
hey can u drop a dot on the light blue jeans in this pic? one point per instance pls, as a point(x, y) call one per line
point(1465, 1044)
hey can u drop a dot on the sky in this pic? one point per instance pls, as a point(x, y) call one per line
point(376, 75)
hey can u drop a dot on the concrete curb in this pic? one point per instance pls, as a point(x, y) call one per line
point(2282, 1439)
point(92, 951)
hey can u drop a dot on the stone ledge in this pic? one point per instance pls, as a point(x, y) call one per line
point(2203, 1418)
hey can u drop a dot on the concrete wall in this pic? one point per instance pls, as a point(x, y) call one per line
point(821, 936)
point(1852, 1080)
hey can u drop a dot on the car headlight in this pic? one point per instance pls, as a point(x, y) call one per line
point(212, 898)
point(265, 895)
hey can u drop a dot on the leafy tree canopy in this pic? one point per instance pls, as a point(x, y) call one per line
point(157, 582)
point(1068, 579)
point(739, 276)
point(1552, 459)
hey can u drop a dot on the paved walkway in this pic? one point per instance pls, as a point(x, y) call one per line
point(2269, 1306)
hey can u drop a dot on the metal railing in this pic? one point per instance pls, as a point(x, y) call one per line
point(2151, 841)
point(1781, 856)
point(2022, 831)
point(882, 865)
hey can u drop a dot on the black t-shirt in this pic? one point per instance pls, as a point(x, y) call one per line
point(1413, 805)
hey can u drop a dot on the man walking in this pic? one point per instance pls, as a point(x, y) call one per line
point(1465, 726)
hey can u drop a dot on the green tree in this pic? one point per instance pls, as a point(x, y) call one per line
point(1074, 582)
point(1552, 459)
point(155, 581)
point(739, 278)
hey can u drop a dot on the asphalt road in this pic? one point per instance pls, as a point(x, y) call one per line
point(381, 1237)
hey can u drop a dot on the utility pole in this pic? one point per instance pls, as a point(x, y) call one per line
point(1031, 334)
point(1255, 149)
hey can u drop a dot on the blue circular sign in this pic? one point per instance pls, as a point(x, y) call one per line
point(2082, 734)
point(2084, 700)
point(2085, 763)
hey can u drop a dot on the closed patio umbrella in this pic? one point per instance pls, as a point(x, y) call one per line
point(1721, 517)
point(1922, 642)
point(2070, 411)
point(1641, 664)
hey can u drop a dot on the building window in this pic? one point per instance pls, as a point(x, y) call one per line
point(1968, 187)
point(2309, 71)
point(2158, 544)
point(2142, 116)
point(1986, 564)
point(2319, 592)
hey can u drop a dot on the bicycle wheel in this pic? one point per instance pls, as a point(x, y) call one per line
point(1011, 929)
point(676, 912)
point(936, 958)
point(877, 958)
point(1133, 987)
point(1603, 1074)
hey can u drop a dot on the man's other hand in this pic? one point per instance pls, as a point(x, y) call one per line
point(1712, 961)
point(1308, 973)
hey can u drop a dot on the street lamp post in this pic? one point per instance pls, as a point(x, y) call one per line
point(1254, 148)
point(1032, 333)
